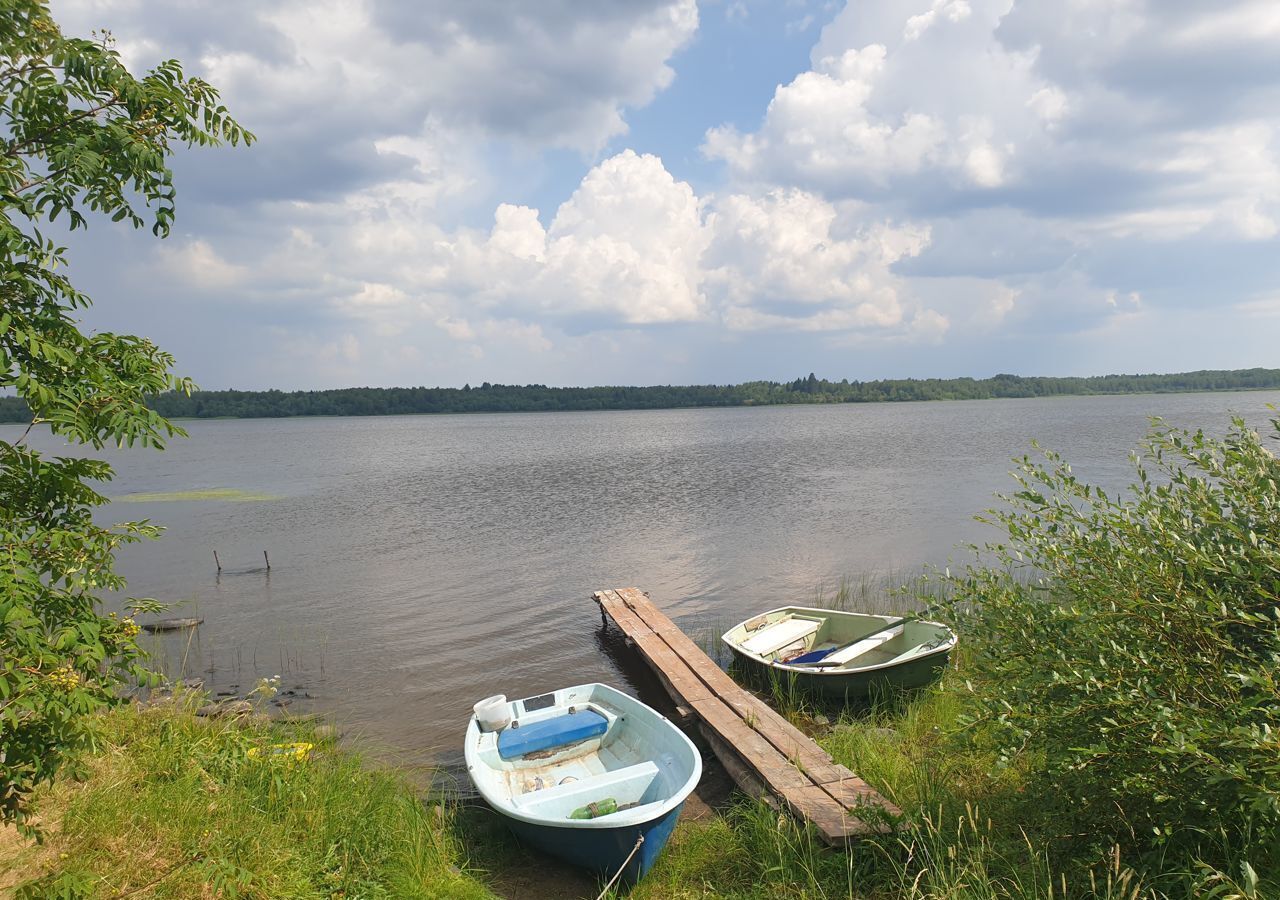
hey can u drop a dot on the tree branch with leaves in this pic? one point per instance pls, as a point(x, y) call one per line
point(79, 135)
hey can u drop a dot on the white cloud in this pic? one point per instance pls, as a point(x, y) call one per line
point(633, 246)
point(625, 248)
point(558, 75)
point(882, 106)
point(1063, 129)
point(945, 171)
point(197, 263)
point(785, 250)
point(819, 132)
point(983, 163)
point(942, 10)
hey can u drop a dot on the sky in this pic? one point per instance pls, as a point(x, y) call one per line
point(586, 192)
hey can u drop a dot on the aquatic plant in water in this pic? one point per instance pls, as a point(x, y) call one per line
point(225, 494)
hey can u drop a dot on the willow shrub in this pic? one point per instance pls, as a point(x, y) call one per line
point(1124, 652)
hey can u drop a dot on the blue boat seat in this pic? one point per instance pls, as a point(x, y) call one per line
point(558, 731)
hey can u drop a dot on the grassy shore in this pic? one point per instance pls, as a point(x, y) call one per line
point(171, 805)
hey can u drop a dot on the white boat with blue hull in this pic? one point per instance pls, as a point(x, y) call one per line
point(586, 773)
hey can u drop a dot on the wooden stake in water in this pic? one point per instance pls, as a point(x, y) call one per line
point(268, 559)
point(217, 561)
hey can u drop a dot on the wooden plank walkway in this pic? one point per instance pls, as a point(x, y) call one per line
point(764, 753)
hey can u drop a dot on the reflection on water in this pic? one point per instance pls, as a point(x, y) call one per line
point(421, 563)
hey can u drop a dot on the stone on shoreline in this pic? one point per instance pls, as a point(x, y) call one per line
point(225, 709)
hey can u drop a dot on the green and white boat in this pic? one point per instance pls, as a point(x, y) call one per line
point(843, 655)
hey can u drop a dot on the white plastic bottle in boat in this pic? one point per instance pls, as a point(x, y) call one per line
point(493, 713)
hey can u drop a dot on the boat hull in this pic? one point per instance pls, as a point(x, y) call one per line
point(854, 685)
point(853, 656)
point(602, 850)
point(563, 752)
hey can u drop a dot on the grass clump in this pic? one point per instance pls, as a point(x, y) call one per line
point(171, 805)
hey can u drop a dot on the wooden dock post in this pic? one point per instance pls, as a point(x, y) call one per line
point(764, 753)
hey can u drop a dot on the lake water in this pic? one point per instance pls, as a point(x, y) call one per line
point(422, 563)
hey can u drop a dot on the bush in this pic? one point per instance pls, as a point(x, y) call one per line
point(1124, 651)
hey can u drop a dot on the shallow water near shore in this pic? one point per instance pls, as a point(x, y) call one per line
point(418, 564)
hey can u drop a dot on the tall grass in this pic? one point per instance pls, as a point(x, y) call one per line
point(963, 834)
point(171, 805)
point(960, 840)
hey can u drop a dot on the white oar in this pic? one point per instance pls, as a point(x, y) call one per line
point(816, 658)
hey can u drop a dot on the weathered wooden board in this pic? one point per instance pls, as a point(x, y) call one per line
point(688, 687)
point(679, 680)
point(763, 752)
point(742, 774)
point(793, 743)
point(758, 753)
point(627, 620)
point(853, 792)
point(833, 821)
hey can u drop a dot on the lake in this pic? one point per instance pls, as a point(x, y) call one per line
point(421, 563)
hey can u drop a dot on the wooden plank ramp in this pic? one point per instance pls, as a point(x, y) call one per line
point(764, 753)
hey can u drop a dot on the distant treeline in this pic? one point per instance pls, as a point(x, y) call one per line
point(540, 398)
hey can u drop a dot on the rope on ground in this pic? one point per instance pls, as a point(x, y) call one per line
point(623, 867)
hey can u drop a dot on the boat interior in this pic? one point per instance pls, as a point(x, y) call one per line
point(781, 635)
point(585, 745)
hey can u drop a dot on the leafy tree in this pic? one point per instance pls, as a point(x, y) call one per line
point(78, 135)
point(1132, 668)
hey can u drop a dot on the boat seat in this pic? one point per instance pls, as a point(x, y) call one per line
point(864, 646)
point(548, 734)
point(778, 635)
point(624, 786)
point(917, 650)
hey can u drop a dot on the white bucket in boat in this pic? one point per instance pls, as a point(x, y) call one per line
point(493, 713)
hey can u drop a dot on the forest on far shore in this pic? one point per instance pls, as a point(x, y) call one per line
point(366, 401)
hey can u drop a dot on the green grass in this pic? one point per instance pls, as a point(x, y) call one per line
point(225, 494)
point(960, 840)
point(170, 805)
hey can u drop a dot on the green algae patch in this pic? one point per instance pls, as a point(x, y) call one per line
point(234, 495)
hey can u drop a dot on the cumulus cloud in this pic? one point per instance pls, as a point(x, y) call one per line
point(196, 260)
point(790, 259)
point(559, 74)
point(915, 103)
point(1035, 143)
point(948, 173)
point(556, 73)
point(633, 246)
point(624, 248)
point(1009, 99)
